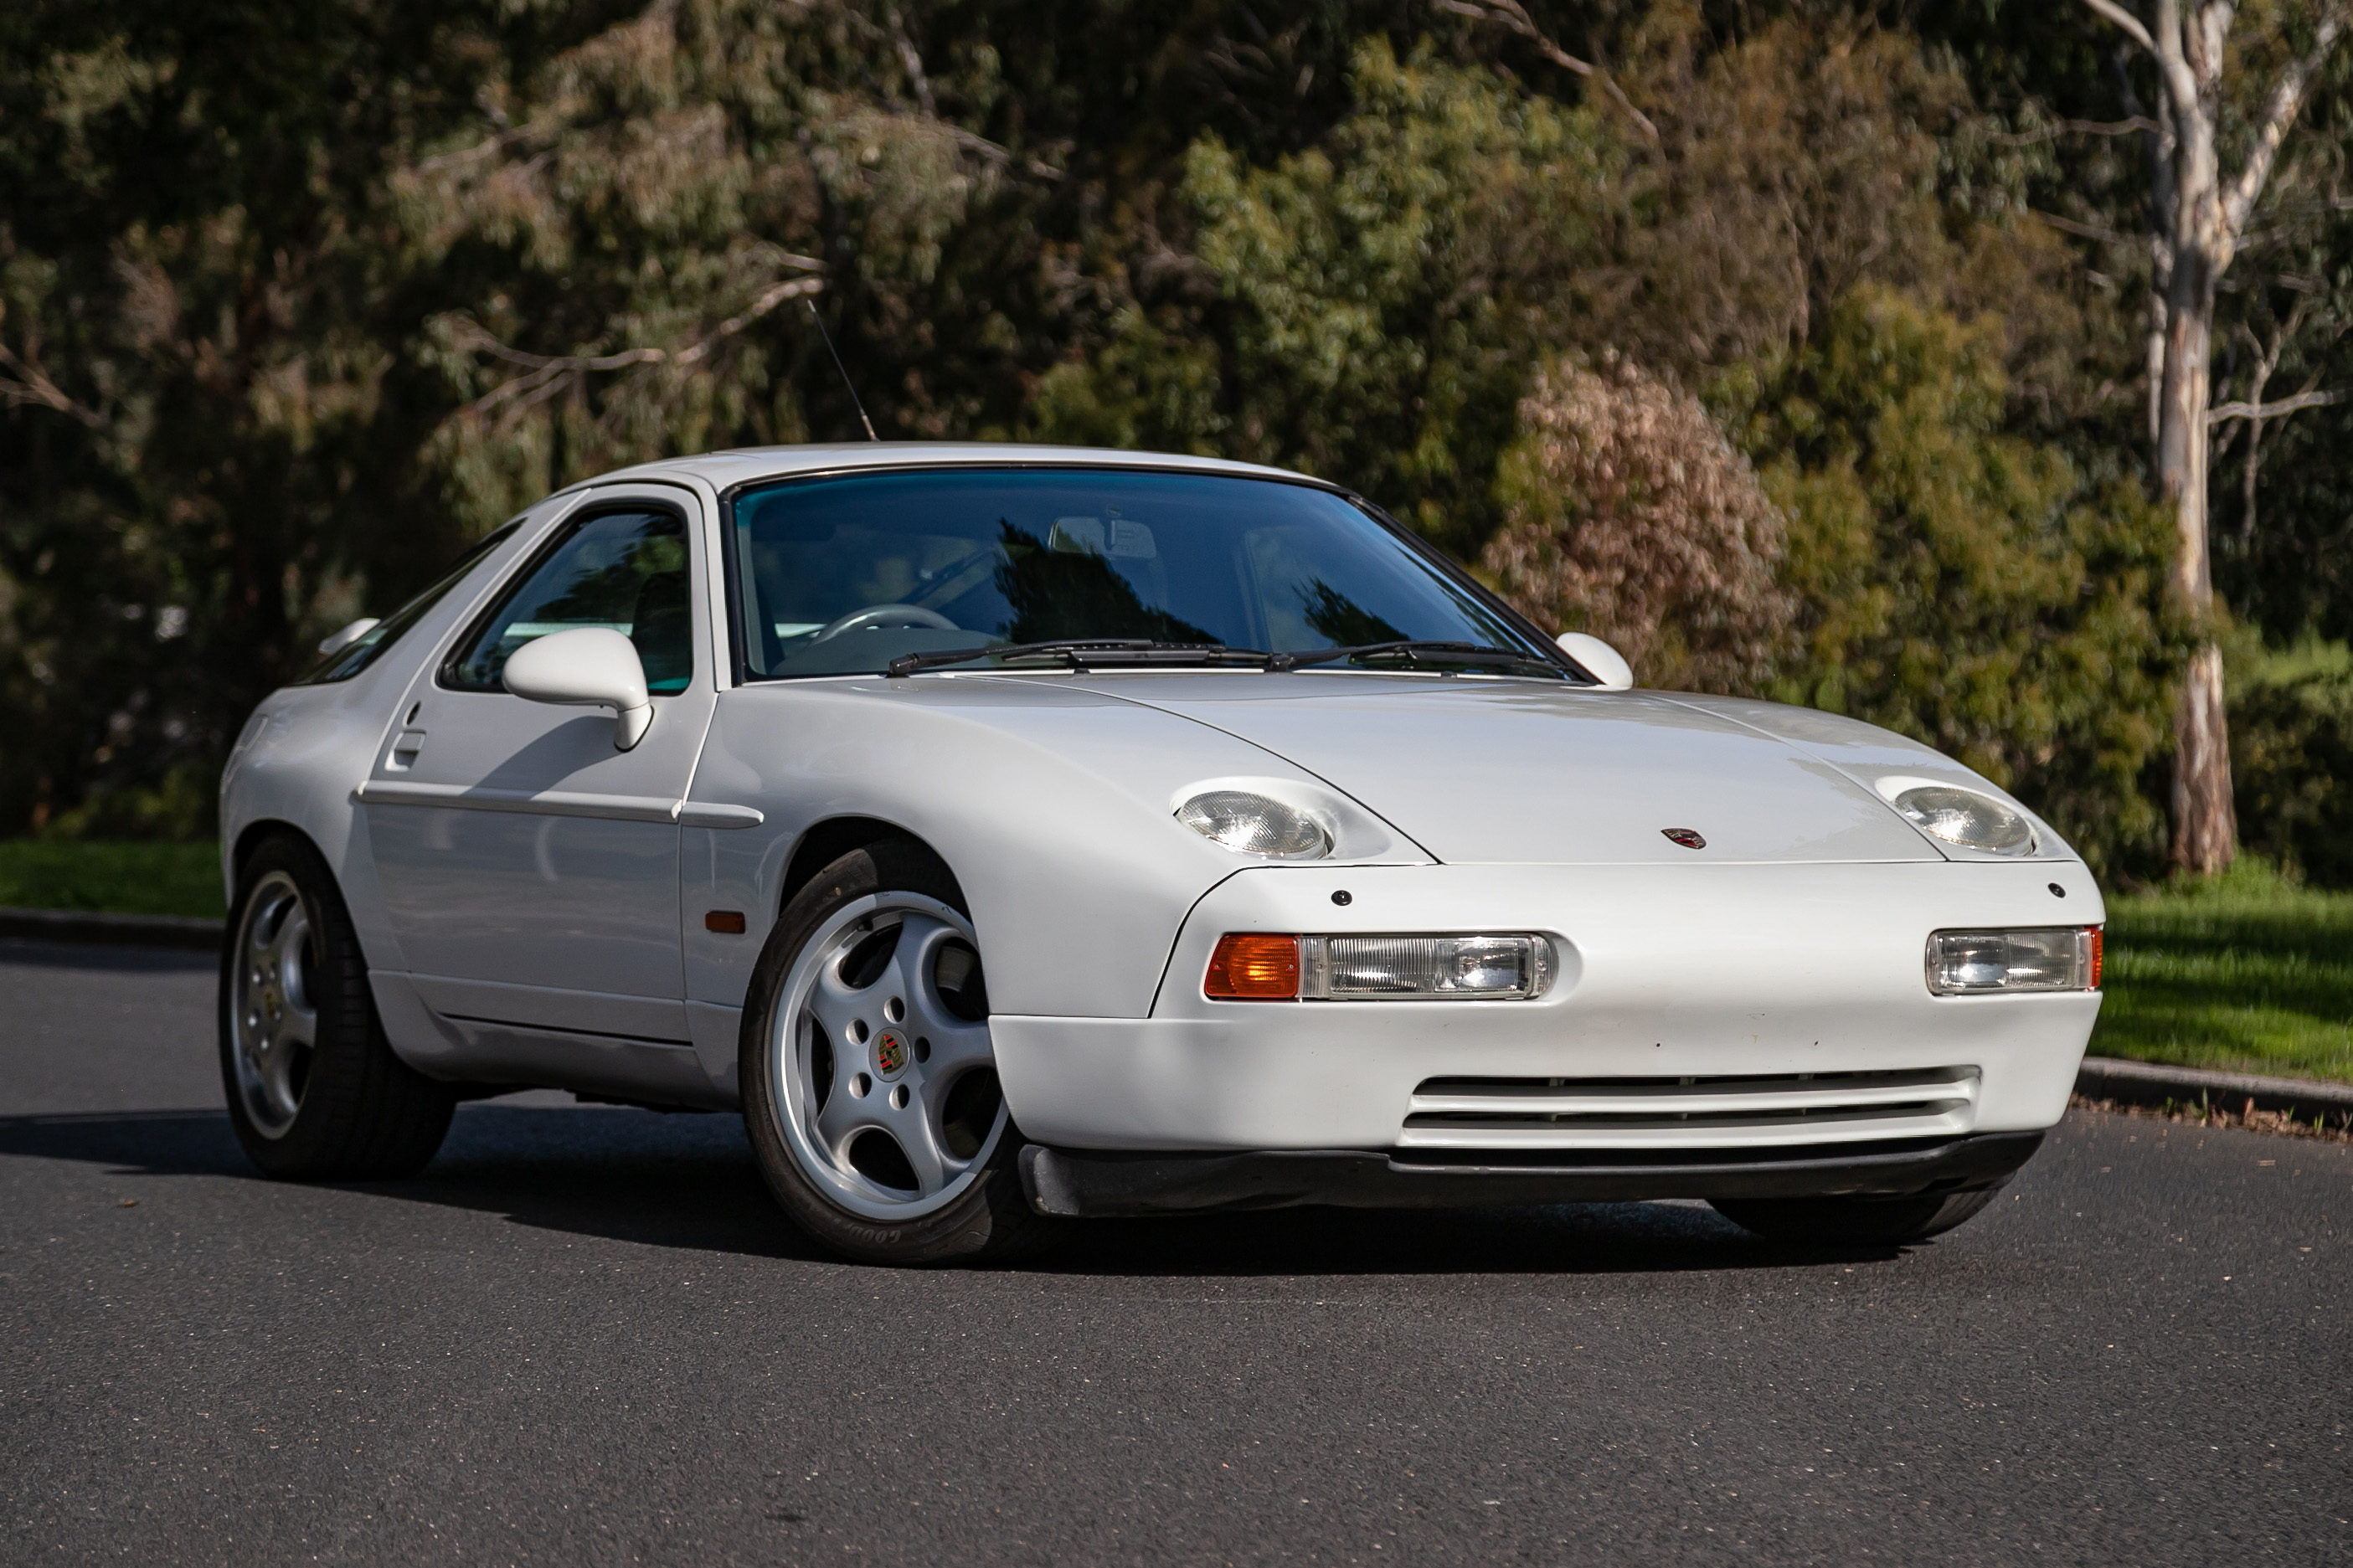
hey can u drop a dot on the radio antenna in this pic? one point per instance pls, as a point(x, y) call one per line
point(847, 384)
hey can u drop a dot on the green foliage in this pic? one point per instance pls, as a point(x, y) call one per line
point(140, 878)
point(203, 453)
point(2292, 761)
point(294, 300)
point(1963, 584)
point(1377, 296)
point(2247, 972)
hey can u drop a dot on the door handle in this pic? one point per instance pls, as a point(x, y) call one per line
point(405, 747)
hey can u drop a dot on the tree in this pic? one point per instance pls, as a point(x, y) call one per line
point(201, 441)
point(1628, 514)
point(1369, 308)
point(1959, 583)
point(2198, 217)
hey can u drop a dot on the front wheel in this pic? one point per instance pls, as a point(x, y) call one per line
point(1853, 1221)
point(869, 1084)
point(313, 1088)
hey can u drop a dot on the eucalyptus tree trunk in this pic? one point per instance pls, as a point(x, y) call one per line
point(2198, 248)
point(2197, 217)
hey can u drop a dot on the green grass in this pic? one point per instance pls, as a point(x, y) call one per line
point(127, 879)
point(2248, 974)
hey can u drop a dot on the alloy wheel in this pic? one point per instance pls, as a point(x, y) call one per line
point(274, 1018)
point(880, 1064)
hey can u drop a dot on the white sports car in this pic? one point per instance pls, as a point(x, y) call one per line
point(1014, 832)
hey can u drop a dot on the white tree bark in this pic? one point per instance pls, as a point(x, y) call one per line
point(2197, 217)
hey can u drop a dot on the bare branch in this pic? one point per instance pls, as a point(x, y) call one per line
point(1512, 16)
point(2087, 230)
point(1000, 155)
point(34, 387)
point(912, 60)
point(2276, 410)
point(2133, 126)
point(489, 147)
point(2182, 87)
point(2126, 20)
point(2279, 113)
point(549, 376)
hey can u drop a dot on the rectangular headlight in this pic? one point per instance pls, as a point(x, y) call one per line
point(1980, 962)
point(1469, 968)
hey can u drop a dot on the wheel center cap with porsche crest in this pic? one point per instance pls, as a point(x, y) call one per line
point(1686, 836)
point(889, 1053)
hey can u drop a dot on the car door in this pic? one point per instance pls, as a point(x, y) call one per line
point(530, 869)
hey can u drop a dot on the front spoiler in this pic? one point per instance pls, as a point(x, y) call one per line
point(1101, 1185)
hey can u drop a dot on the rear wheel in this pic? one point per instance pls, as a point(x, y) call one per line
point(870, 1082)
point(1853, 1221)
point(313, 1088)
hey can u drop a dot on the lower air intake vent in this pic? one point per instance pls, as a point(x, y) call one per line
point(1688, 1112)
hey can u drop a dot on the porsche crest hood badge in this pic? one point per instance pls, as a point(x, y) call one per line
point(1688, 837)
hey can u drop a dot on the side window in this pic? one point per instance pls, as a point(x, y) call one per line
point(350, 660)
point(626, 570)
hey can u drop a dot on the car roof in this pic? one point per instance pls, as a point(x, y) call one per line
point(738, 465)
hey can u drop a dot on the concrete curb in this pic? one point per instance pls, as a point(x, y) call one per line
point(112, 930)
point(2148, 1083)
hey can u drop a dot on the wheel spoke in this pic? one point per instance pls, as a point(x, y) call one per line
point(913, 1129)
point(903, 977)
point(845, 1115)
point(955, 1044)
point(298, 1025)
point(277, 1072)
point(287, 945)
point(837, 1007)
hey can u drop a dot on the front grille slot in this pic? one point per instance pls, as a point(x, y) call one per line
point(1749, 1109)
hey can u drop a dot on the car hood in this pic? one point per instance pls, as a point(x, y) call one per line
point(1517, 771)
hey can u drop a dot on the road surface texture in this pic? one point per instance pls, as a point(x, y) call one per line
point(585, 1336)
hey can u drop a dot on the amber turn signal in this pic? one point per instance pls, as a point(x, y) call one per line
point(730, 921)
point(1249, 966)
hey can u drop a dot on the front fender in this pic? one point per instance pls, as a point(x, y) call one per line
point(1051, 804)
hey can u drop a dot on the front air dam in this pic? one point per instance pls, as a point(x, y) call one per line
point(1100, 1185)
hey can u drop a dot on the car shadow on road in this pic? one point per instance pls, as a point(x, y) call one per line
point(688, 1182)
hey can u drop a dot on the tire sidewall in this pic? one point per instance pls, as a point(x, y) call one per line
point(991, 1214)
point(317, 1140)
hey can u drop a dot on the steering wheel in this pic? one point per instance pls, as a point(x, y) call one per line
point(874, 617)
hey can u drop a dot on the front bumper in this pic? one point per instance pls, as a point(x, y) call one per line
point(1085, 1185)
point(1701, 1009)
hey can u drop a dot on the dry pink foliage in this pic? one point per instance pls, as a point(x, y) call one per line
point(1629, 515)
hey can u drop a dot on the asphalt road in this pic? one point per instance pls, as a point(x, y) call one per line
point(585, 1336)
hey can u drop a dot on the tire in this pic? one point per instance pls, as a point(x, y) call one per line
point(1852, 1221)
point(335, 1105)
point(869, 1082)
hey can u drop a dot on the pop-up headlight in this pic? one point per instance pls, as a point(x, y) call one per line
point(1965, 817)
point(1256, 825)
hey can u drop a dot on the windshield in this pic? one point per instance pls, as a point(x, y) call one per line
point(839, 576)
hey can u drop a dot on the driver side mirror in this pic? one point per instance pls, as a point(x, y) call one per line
point(1602, 661)
point(589, 667)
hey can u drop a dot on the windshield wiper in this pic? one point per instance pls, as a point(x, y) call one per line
point(1082, 653)
point(1445, 652)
